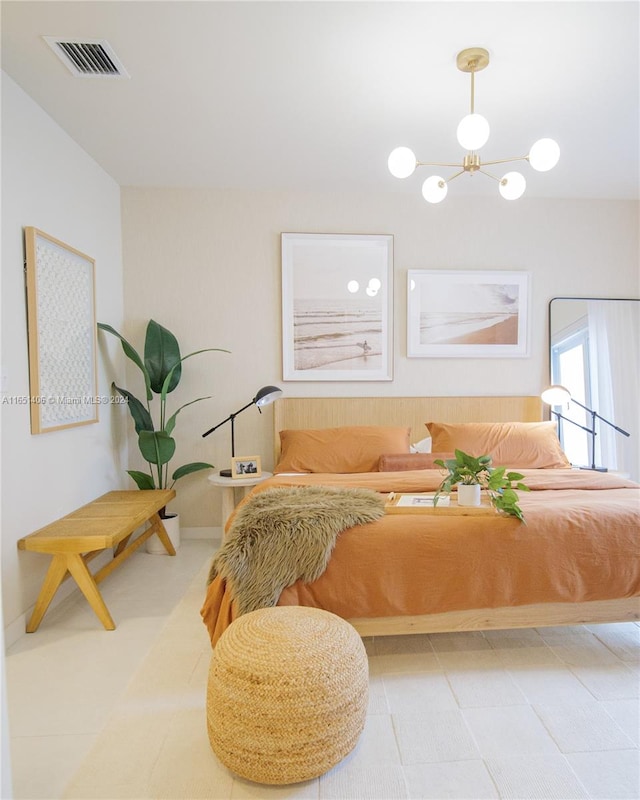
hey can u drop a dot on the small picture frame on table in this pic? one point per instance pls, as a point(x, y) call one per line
point(246, 467)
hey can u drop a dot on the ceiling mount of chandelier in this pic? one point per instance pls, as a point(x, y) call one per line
point(473, 132)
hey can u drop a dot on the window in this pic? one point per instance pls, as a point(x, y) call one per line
point(570, 368)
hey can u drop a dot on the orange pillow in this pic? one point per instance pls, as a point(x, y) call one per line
point(400, 462)
point(355, 448)
point(528, 445)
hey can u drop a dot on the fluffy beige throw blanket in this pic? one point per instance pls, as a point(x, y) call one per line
point(283, 535)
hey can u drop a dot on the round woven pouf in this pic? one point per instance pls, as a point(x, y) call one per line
point(287, 694)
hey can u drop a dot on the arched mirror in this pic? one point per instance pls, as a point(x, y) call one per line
point(595, 354)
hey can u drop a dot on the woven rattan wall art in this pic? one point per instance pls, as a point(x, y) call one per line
point(62, 334)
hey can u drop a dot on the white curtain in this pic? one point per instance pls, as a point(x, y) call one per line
point(614, 354)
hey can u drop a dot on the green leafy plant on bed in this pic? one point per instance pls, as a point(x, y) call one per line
point(496, 481)
point(161, 370)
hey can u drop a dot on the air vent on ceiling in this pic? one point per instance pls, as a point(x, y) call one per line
point(89, 58)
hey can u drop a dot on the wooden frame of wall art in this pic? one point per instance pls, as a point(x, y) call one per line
point(62, 334)
point(337, 307)
point(467, 313)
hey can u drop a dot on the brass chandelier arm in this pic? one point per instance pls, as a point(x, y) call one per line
point(484, 163)
point(473, 91)
point(489, 175)
point(435, 164)
point(505, 160)
point(448, 180)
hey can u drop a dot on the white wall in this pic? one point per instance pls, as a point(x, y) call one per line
point(206, 264)
point(50, 183)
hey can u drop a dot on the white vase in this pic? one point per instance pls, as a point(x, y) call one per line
point(469, 494)
point(172, 527)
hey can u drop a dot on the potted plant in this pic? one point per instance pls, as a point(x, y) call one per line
point(161, 370)
point(466, 471)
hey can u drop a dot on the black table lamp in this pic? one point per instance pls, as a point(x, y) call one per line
point(557, 395)
point(263, 397)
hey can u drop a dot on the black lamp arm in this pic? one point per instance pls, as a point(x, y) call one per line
point(572, 421)
point(230, 418)
point(591, 431)
point(595, 415)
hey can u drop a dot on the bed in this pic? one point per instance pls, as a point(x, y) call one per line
point(574, 561)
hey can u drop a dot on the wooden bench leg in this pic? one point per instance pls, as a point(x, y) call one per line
point(89, 588)
point(54, 577)
point(158, 527)
point(122, 546)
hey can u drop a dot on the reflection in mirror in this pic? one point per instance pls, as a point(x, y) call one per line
point(595, 353)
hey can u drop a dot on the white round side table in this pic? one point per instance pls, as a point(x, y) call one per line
point(229, 485)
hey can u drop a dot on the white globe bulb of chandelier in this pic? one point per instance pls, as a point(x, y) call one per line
point(544, 155)
point(473, 132)
point(353, 286)
point(402, 162)
point(434, 189)
point(512, 185)
point(375, 284)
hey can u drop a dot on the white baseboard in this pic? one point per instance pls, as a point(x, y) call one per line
point(15, 630)
point(205, 532)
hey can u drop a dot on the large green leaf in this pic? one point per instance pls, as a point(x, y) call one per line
point(171, 423)
point(161, 357)
point(142, 480)
point(157, 447)
point(169, 378)
point(132, 354)
point(497, 479)
point(141, 417)
point(187, 469)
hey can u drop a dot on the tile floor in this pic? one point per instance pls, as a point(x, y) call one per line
point(64, 680)
point(546, 713)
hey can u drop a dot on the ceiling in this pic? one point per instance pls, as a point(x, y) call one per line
point(312, 96)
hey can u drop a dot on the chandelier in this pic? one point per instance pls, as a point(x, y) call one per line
point(473, 133)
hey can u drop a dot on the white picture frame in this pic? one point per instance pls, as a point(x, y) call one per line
point(467, 314)
point(337, 307)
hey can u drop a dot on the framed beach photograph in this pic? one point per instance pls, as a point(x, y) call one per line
point(337, 307)
point(62, 333)
point(467, 314)
point(246, 467)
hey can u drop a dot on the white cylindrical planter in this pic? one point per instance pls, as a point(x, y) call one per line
point(172, 526)
point(469, 494)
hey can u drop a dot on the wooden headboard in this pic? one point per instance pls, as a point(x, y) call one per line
point(294, 413)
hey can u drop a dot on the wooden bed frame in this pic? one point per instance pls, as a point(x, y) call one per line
point(294, 413)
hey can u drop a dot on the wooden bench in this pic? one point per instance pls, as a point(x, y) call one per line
point(79, 537)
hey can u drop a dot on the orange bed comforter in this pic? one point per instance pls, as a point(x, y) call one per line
point(581, 542)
